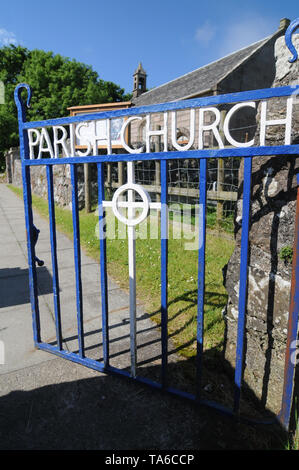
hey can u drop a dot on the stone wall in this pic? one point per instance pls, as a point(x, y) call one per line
point(272, 229)
point(11, 156)
point(62, 183)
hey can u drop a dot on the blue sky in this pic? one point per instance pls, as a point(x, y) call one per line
point(170, 38)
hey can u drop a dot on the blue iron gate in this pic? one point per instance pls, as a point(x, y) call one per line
point(30, 137)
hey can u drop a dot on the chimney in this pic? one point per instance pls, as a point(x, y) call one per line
point(284, 23)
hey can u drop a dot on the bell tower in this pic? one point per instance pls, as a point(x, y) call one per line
point(139, 86)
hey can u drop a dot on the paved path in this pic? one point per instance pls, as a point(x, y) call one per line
point(51, 403)
point(15, 306)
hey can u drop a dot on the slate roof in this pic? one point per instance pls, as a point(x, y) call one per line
point(200, 80)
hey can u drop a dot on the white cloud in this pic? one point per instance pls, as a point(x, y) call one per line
point(243, 33)
point(205, 33)
point(7, 38)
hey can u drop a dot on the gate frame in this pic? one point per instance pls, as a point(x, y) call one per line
point(248, 153)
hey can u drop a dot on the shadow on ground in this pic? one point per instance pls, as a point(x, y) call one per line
point(113, 413)
point(90, 410)
point(14, 285)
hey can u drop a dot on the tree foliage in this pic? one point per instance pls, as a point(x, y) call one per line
point(57, 83)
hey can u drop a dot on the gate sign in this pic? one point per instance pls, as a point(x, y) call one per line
point(84, 128)
point(42, 142)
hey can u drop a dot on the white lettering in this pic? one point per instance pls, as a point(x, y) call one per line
point(61, 141)
point(150, 132)
point(174, 131)
point(32, 142)
point(228, 117)
point(86, 136)
point(45, 139)
point(209, 127)
point(84, 139)
point(122, 135)
point(72, 139)
point(119, 460)
point(276, 122)
point(96, 138)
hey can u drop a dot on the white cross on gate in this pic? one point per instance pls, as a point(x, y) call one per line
point(131, 222)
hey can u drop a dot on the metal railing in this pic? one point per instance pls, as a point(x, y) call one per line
point(248, 152)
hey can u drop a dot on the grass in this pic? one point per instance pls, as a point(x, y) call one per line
point(226, 223)
point(182, 275)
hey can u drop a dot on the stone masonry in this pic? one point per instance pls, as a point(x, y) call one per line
point(62, 183)
point(273, 204)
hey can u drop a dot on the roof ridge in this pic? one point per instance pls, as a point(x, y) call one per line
point(210, 63)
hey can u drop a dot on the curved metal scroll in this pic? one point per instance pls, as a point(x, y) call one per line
point(288, 39)
point(18, 99)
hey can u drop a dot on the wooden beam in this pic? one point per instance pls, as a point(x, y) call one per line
point(87, 188)
point(191, 192)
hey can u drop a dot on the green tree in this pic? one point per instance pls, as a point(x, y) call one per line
point(57, 83)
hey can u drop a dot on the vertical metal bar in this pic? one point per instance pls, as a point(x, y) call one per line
point(132, 271)
point(243, 281)
point(31, 254)
point(157, 145)
point(292, 338)
point(164, 270)
point(132, 286)
point(103, 263)
point(201, 272)
point(54, 255)
point(220, 181)
point(24, 154)
point(77, 257)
